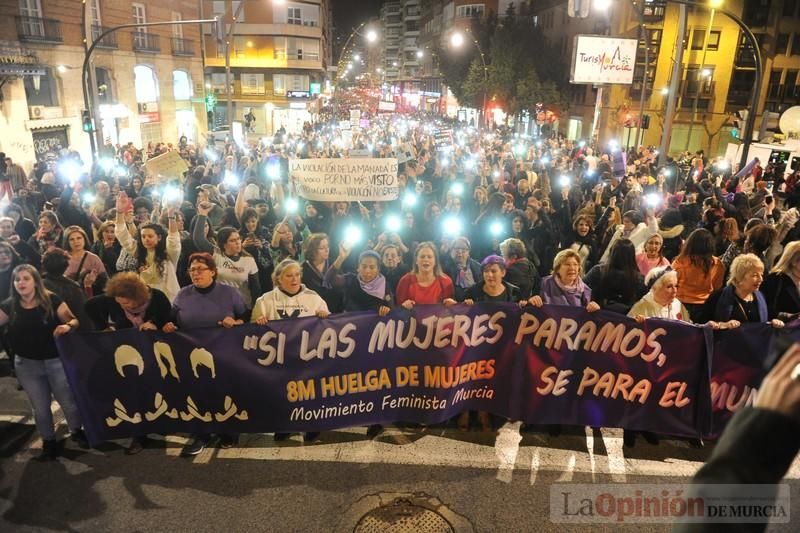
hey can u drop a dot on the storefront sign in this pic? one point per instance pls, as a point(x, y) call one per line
point(298, 94)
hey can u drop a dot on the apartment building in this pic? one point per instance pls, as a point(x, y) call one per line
point(392, 38)
point(717, 75)
point(279, 54)
point(147, 82)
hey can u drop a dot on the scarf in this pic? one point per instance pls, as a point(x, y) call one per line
point(136, 315)
point(376, 287)
point(465, 279)
point(577, 288)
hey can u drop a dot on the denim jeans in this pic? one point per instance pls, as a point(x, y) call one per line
point(42, 380)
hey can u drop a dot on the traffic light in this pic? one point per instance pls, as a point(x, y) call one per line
point(211, 101)
point(88, 127)
point(219, 30)
point(645, 122)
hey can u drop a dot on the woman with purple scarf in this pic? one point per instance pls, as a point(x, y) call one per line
point(564, 286)
point(366, 290)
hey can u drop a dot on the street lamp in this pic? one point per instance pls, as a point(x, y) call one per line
point(372, 36)
point(420, 54)
point(457, 40)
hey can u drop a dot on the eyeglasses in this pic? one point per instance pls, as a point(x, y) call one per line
point(198, 270)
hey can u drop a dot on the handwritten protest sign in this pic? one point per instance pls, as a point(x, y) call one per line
point(352, 180)
point(168, 166)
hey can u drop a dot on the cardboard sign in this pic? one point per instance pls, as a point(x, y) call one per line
point(165, 167)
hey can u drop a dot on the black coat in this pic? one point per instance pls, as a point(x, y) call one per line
point(781, 294)
point(523, 275)
point(476, 293)
point(105, 311)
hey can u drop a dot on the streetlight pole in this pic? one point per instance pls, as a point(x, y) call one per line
point(227, 43)
point(371, 36)
point(88, 93)
point(456, 39)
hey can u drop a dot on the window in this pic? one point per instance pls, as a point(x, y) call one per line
point(218, 81)
point(699, 36)
point(756, 12)
point(252, 83)
point(105, 93)
point(741, 87)
point(279, 84)
point(146, 84)
point(469, 10)
point(177, 29)
point(774, 85)
point(95, 12)
point(699, 81)
point(782, 44)
point(32, 23)
point(139, 17)
point(41, 90)
point(181, 85)
point(151, 132)
point(294, 15)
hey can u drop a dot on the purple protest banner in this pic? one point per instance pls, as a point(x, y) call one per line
point(549, 365)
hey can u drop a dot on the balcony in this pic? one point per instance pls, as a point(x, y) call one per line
point(654, 10)
point(182, 47)
point(295, 56)
point(39, 30)
point(288, 30)
point(145, 42)
point(109, 41)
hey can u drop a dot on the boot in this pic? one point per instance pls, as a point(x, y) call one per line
point(49, 451)
point(485, 421)
point(463, 421)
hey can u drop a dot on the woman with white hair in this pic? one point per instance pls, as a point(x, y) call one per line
point(661, 299)
point(740, 300)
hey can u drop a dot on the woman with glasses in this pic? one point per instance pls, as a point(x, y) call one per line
point(235, 267)
point(206, 303)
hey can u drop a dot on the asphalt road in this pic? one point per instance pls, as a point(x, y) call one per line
point(477, 481)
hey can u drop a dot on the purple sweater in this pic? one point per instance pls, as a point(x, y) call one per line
point(194, 309)
point(551, 293)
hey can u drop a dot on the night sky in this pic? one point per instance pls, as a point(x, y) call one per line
point(347, 14)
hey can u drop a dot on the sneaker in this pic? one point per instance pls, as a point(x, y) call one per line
point(197, 445)
point(49, 451)
point(311, 436)
point(79, 438)
point(136, 446)
point(374, 430)
point(228, 441)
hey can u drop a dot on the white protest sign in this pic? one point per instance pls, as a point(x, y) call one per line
point(405, 152)
point(348, 180)
point(165, 167)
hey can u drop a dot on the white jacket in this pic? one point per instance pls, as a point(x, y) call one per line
point(277, 305)
point(638, 236)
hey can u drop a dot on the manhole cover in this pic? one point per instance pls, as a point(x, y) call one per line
point(402, 516)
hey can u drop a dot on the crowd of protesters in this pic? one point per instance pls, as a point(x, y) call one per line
point(480, 217)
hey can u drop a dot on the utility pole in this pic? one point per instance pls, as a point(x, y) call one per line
point(674, 85)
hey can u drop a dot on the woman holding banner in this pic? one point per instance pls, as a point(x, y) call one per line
point(289, 299)
point(34, 316)
point(426, 284)
point(492, 288)
point(781, 285)
point(206, 303)
point(366, 290)
point(741, 301)
point(700, 272)
point(564, 287)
